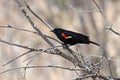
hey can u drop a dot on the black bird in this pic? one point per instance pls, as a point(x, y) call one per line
point(72, 38)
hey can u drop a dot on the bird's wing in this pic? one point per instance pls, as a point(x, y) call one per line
point(66, 35)
point(83, 36)
point(75, 35)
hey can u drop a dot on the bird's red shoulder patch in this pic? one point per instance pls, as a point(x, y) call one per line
point(65, 36)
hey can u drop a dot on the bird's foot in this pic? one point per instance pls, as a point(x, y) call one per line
point(65, 46)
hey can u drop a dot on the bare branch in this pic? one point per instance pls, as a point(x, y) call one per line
point(17, 58)
point(80, 11)
point(33, 24)
point(48, 25)
point(49, 50)
point(109, 63)
point(17, 45)
point(110, 28)
point(103, 15)
point(9, 26)
point(21, 46)
point(49, 66)
point(114, 31)
point(97, 76)
point(98, 8)
point(108, 25)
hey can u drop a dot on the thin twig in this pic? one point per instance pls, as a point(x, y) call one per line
point(114, 31)
point(48, 25)
point(33, 56)
point(101, 12)
point(16, 58)
point(21, 46)
point(77, 11)
point(32, 23)
point(109, 63)
point(16, 28)
point(77, 61)
point(108, 26)
point(96, 76)
point(25, 47)
point(49, 66)
point(98, 8)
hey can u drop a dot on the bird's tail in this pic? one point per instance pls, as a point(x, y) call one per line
point(94, 43)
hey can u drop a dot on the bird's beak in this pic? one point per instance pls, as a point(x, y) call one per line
point(52, 31)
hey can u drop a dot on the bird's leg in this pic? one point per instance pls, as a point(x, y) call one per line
point(64, 46)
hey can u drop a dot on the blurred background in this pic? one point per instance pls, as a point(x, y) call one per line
point(77, 15)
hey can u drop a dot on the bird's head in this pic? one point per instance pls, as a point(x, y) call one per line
point(57, 30)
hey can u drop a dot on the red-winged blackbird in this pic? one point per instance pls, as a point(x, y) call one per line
point(72, 38)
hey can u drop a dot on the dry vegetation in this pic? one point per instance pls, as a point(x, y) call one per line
point(42, 60)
